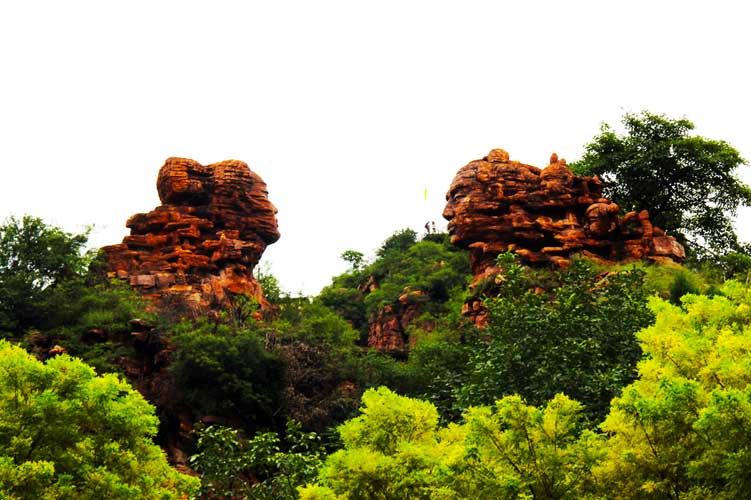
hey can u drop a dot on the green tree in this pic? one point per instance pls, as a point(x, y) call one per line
point(265, 467)
point(319, 349)
point(389, 451)
point(687, 183)
point(269, 283)
point(436, 371)
point(34, 259)
point(223, 370)
point(67, 433)
point(569, 331)
point(395, 450)
point(354, 258)
point(529, 452)
point(400, 241)
point(681, 430)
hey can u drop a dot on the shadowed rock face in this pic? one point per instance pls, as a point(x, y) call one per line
point(205, 239)
point(496, 205)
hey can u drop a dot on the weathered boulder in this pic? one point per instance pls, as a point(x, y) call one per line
point(497, 205)
point(205, 239)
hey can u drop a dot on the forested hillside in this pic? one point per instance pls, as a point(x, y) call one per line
point(459, 365)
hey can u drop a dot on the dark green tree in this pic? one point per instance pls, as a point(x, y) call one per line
point(400, 241)
point(223, 370)
point(264, 467)
point(575, 336)
point(34, 259)
point(354, 258)
point(688, 183)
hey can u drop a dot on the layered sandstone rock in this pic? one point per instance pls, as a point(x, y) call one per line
point(203, 242)
point(387, 328)
point(497, 205)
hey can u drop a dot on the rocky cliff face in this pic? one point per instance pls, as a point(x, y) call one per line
point(387, 328)
point(497, 205)
point(203, 242)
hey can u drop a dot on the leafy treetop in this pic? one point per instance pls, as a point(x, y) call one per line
point(688, 183)
point(67, 433)
point(34, 258)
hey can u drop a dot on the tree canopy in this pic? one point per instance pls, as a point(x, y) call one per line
point(680, 431)
point(67, 433)
point(568, 331)
point(34, 258)
point(395, 449)
point(688, 183)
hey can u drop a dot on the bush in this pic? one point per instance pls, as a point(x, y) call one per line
point(265, 467)
point(680, 287)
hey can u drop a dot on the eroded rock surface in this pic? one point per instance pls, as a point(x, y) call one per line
point(203, 242)
point(497, 205)
point(387, 328)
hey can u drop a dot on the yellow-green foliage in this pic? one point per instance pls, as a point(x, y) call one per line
point(67, 433)
point(388, 419)
point(680, 431)
point(660, 276)
point(395, 450)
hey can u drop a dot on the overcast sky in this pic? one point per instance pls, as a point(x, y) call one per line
point(348, 110)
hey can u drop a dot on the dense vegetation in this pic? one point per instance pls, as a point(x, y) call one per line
point(568, 331)
point(35, 259)
point(67, 433)
point(431, 266)
point(679, 431)
point(593, 381)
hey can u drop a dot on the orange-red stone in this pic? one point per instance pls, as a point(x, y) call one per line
point(205, 239)
point(497, 205)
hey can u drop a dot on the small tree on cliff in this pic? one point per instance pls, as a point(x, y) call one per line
point(687, 183)
point(355, 259)
point(400, 241)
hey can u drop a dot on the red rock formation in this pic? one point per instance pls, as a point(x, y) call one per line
point(204, 240)
point(387, 328)
point(496, 205)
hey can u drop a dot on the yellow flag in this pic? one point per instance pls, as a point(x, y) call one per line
point(425, 194)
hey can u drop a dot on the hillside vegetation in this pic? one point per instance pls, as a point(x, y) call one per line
point(588, 382)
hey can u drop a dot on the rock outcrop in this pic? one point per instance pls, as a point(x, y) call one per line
point(387, 327)
point(496, 205)
point(202, 244)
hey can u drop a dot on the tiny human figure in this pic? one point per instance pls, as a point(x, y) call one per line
point(427, 227)
point(432, 226)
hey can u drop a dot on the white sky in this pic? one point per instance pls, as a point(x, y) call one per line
point(348, 110)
